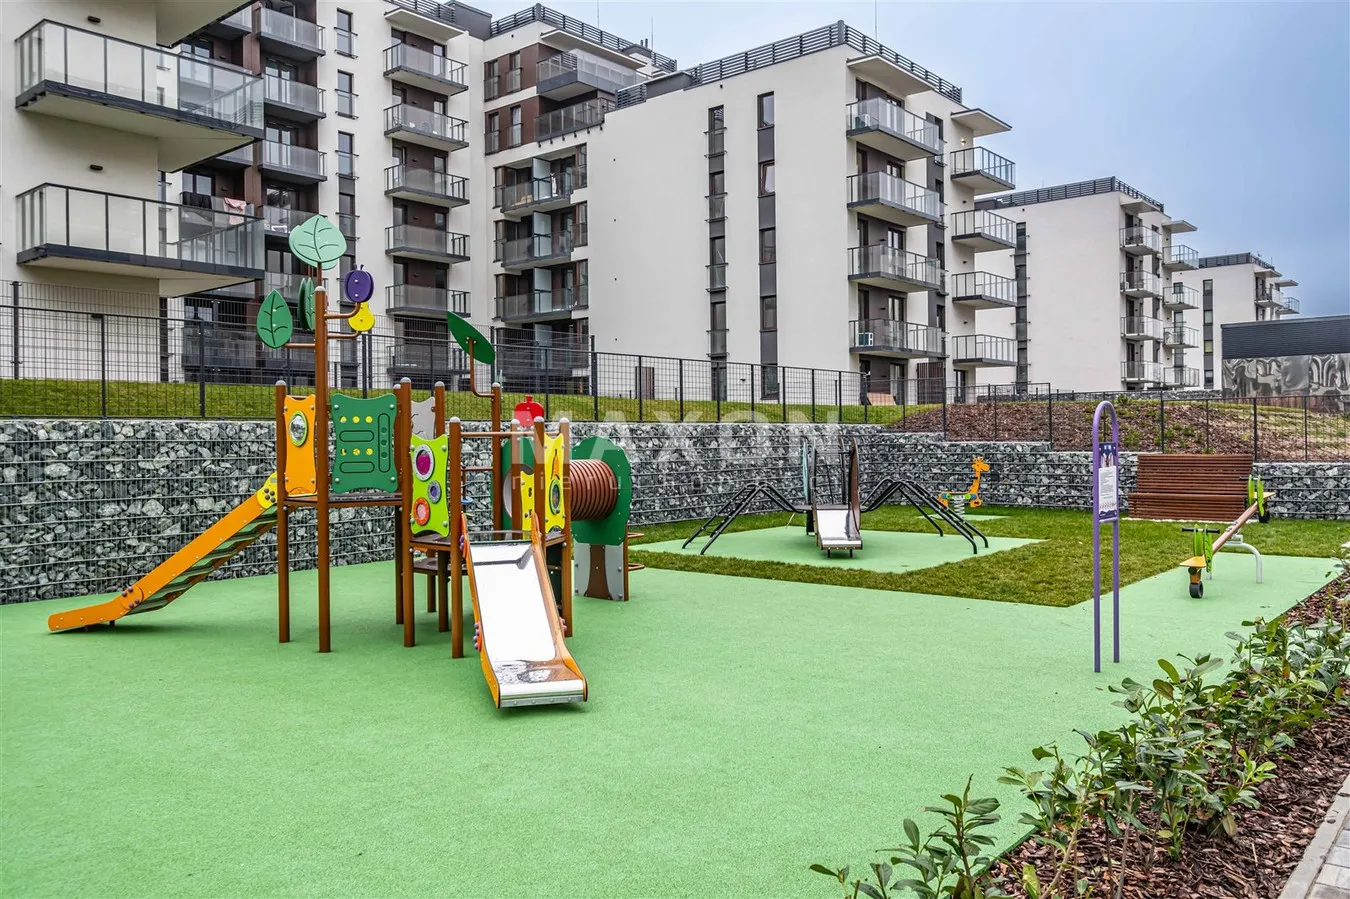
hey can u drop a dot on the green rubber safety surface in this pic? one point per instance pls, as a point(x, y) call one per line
point(975, 516)
point(881, 550)
point(738, 730)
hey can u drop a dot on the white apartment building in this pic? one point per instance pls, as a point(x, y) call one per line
point(1239, 287)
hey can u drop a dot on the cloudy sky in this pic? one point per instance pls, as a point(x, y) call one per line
point(1235, 115)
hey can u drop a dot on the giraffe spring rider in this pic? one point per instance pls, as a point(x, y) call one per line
point(958, 502)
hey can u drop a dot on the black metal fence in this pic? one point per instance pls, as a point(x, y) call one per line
point(84, 363)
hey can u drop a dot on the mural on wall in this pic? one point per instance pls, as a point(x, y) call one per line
point(1326, 374)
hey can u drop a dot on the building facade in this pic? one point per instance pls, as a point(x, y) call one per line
point(1288, 356)
point(1236, 288)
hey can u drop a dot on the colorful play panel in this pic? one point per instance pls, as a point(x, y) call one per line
point(738, 730)
point(885, 550)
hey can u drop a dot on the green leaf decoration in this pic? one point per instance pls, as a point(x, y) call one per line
point(307, 302)
point(318, 241)
point(274, 321)
point(467, 335)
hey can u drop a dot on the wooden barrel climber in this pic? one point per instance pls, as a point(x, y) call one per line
point(594, 489)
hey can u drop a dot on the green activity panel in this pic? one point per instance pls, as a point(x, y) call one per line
point(467, 335)
point(363, 438)
point(611, 530)
point(429, 512)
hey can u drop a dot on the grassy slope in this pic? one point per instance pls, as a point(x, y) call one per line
point(1055, 572)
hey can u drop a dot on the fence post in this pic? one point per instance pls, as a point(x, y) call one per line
point(839, 396)
point(717, 393)
point(752, 390)
point(1162, 425)
point(1305, 427)
point(1050, 417)
point(637, 385)
point(1207, 401)
point(680, 366)
point(201, 368)
point(1256, 452)
point(995, 415)
point(782, 392)
point(813, 396)
point(102, 363)
point(944, 412)
point(595, 383)
point(14, 287)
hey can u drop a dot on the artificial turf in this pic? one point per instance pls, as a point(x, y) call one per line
point(738, 730)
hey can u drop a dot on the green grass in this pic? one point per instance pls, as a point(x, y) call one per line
point(1054, 572)
point(737, 731)
point(35, 398)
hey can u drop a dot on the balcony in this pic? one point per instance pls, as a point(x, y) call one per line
point(293, 100)
point(538, 194)
point(194, 108)
point(234, 26)
point(425, 362)
point(565, 76)
point(1141, 285)
point(428, 18)
point(540, 305)
point(425, 302)
point(1140, 241)
point(536, 250)
point(1181, 297)
point(895, 339)
point(563, 354)
point(288, 36)
point(187, 248)
point(406, 182)
point(1141, 327)
point(982, 351)
point(176, 20)
point(495, 86)
point(892, 129)
point(287, 162)
point(1180, 337)
point(983, 290)
point(244, 290)
point(429, 129)
point(407, 64)
point(879, 265)
point(235, 159)
point(893, 199)
point(1180, 377)
point(982, 170)
point(429, 244)
point(982, 230)
point(1180, 258)
point(576, 117)
point(206, 345)
point(1266, 297)
point(1288, 305)
point(285, 283)
point(280, 221)
point(1138, 371)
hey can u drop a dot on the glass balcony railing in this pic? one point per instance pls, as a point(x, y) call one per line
point(295, 94)
point(983, 163)
point(880, 114)
point(1181, 377)
point(891, 190)
point(60, 221)
point(1181, 256)
point(1140, 284)
point(717, 141)
point(538, 303)
point(1182, 297)
point(568, 68)
point(1139, 371)
point(1176, 335)
point(419, 62)
point(981, 223)
point(346, 103)
point(553, 351)
point(717, 276)
point(281, 220)
point(571, 118)
point(717, 207)
point(402, 117)
point(403, 177)
point(285, 283)
point(1141, 327)
point(556, 188)
point(346, 222)
point(525, 250)
point(717, 341)
point(289, 29)
point(986, 348)
point(116, 72)
point(894, 264)
point(346, 41)
point(896, 336)
point(1141, 239)
point(301, 161)
point(984, 286)
point(429, 241)
point(435, 300)
point(346, 163)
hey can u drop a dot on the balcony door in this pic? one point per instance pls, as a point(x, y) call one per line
point(896, 307)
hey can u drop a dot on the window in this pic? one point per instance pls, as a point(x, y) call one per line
point(346, 100)
point(400, 214)
point(281, 134)
point(400, 273)
point(897, 308)
point(766, 180)
point(717, 250)
point(766, 110)
point(275, 68)
point(346, 199)
point(281, 197)
point(439, 278)
point(1209, 348)
point(718, 315)
point(346, 158)
point(197, 183)
point(345, 142)
point(345, 33)
point(768, 246)
point(768, 313)
point(1209, 316)
point(490, 88)
point(580, 232)
point(515, 137)
point(345, 265)
point(717, 183)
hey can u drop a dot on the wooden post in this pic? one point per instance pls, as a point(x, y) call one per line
point(402, 446)
point(321, 456)
point(283, 551)
point(454, 477)
point(565, 431)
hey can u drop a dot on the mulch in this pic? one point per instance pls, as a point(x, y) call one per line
point(1270, 840)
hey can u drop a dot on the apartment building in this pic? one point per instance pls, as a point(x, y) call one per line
point(1235, 288)
point(1100, 300)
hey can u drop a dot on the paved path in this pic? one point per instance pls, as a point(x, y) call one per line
point(1324, 872)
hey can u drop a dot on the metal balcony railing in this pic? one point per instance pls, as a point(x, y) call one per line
point(440, 68)
point(983, 223)
point(56, 220)
point(524, 250)
point(984, 284)
point(542, 302)
point(432, 241)
point(556, 187)
point(1289, 304)
point(431, 299)
point(1180, 377)
point(1141, 282)
point(882, 187)
point(880, 260)
point(880, 114)
point(983, 161)
point(299, 95)
point(896, 336)
point(1181, 256)
point(571, 118)
point(290, 158)
point(1181, 297)
point(402, 117)
point(984, 348)
point(442, 184)
point(592, 72)
point(282, 27)
point(1175, 335)
point(1142, 238)
point(120, 70)
point(1141, 371)
point(1141, 327)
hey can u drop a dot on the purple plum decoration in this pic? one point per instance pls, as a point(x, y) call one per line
point(358, 285)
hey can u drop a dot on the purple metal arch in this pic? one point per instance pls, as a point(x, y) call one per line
point(1098, 519)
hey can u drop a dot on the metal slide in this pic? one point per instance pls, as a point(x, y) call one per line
point(186, 568)
point(837, 528)
point(520, 635)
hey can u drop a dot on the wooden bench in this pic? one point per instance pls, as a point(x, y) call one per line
point(1190, 487)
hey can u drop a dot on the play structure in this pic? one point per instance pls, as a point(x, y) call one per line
point(835, 525)
point(555, 515)
point(958, 502)
point(1204, 548)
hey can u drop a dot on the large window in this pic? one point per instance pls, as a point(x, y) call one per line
point(199, 183)
point(345, 33)
point(766, 179)
point(765, 110)
point(346, 98)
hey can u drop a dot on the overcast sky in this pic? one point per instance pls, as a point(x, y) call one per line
point(1235, 115)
